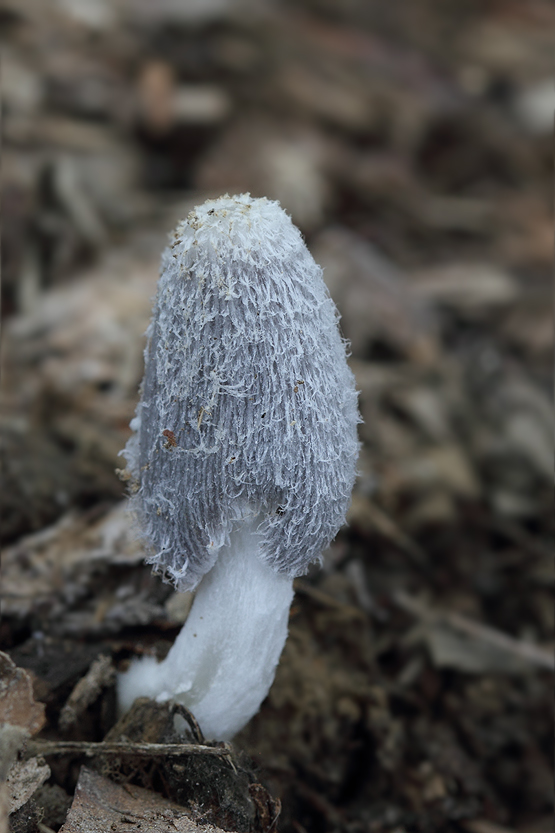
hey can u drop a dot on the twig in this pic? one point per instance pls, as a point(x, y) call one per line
point(517, 535)
point(518, 647)
point(146, 750)
point(179, 708)
point(387, 527)
point(326, 600)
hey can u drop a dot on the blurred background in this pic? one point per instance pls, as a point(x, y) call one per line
point(411, 143)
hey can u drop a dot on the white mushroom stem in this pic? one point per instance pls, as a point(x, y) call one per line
point(224, 660)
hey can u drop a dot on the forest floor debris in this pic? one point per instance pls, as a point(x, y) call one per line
point(413, 149)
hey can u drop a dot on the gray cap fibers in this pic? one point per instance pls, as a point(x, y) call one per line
point(248, 408)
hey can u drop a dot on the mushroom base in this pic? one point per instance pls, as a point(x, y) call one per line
point(224, 660)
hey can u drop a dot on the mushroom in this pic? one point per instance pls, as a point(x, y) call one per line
point(244, 450)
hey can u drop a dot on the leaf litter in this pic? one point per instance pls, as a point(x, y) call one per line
point(414, 693)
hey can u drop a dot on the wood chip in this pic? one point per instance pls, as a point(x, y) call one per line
point(99, 676)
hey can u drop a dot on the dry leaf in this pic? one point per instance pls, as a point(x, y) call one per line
point(100, 805)
point(24, 779)
point(17, 704)
point(74, 548)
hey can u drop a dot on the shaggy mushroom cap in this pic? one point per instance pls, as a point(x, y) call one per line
point(248, 409)
point(244, 451)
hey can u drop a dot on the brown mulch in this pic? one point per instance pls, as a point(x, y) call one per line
point(412, 147)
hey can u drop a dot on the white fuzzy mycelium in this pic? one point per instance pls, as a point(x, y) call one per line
point(244, 452)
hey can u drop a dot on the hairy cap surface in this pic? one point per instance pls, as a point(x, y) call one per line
point(248, 408)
